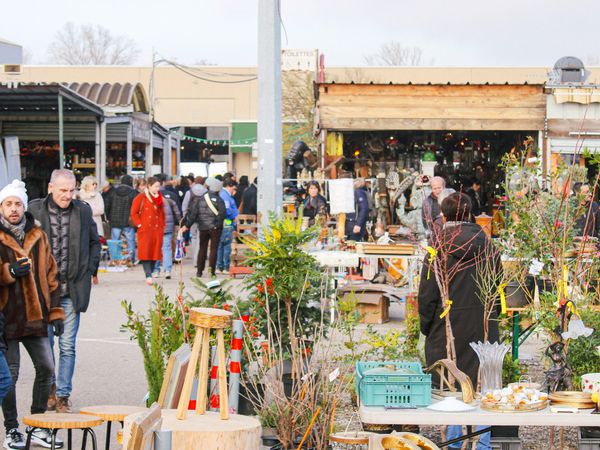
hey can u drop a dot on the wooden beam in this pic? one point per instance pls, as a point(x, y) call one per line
point(359, 112)
point(375, 124)
point(433, 90)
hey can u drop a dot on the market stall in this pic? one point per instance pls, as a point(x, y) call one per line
point(389, 124)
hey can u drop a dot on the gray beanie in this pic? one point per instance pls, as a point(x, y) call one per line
point(213, 184)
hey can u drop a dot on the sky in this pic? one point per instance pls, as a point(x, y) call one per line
point(224, 32)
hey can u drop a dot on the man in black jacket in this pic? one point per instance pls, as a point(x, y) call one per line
point(356, 222)
point(117, 208)
point(249, 199)
point(208, 213)
point(75, 245)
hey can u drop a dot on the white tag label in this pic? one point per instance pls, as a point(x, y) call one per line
point(333, 375)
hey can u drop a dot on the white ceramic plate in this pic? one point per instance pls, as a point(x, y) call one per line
point(451, 404)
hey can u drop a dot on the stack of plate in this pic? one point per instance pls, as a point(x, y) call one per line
point(573, 399)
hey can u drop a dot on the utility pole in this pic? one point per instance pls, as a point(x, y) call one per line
point(269, 109)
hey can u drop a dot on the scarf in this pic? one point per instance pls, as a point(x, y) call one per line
point(155, 199)
point(18, 230)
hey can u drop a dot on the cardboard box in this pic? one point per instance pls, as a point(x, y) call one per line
point(374, 307)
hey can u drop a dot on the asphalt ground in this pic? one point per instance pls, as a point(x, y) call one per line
point(109, 368)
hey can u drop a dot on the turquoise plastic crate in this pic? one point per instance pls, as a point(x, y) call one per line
point(393, 390)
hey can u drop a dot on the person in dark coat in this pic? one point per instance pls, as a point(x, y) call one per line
point(315, 205)
point(76, 247)
point(208, 213)
point(431, 207)
point(249, 199)
point(117, 209)
point(477, 200)
point(241, 188)
point(356, 223)
point(465, 242)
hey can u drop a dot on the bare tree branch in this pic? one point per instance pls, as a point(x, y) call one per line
point(90, 44)
point(393, 53)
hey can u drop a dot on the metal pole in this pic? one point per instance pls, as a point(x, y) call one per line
point(101, 162)
point(61, 134)
point(269, 109)
point(129, 148)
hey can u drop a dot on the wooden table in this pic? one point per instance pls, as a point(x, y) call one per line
point(424, 416)
point(110, 414)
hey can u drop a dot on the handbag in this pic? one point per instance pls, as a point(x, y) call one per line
point(130, 220)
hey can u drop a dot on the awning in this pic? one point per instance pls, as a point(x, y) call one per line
point(574, 146)
point(243, 135)
point(40, 103)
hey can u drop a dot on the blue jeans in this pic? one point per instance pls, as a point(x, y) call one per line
point(6, 381)
point(167, 252)
point(66, 347)
point(224, 251)
point(129, 232)
point(455, 431)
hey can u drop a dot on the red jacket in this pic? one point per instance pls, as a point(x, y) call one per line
point(148, 217)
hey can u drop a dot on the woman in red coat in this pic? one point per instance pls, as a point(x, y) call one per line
point(148, 217)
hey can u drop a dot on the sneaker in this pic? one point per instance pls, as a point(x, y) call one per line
point(63, 405)
point(14, 439)
point(149, 281)
point(155, 274)
point(43, 437)
point(168, 275)
point(51, 406)
point(198, 274)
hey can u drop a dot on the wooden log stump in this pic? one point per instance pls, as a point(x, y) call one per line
point(208, 431)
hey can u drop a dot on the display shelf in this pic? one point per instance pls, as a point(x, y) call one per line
point(84, 166)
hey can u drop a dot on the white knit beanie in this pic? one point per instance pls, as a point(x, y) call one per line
point(213, 184)
point(14, 189)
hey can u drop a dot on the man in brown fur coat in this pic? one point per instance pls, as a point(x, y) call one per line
point(29, 299)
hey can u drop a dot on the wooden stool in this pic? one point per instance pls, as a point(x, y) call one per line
point(204, 319)
point(68, 422)
point(110, 414)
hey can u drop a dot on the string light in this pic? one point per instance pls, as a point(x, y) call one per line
point(224, 142)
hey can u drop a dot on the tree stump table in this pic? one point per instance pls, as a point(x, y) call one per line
point(209, 431)
point(110, 414)
point(69, 422)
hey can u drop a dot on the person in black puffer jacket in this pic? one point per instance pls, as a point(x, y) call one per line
point(208, 213)
point(117, 208)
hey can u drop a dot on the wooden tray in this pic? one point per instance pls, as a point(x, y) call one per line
point(389, 249)
point(574, 399)
point(514, 409)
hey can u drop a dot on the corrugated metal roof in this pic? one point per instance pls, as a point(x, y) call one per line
point(444, 75)
point(114, 94)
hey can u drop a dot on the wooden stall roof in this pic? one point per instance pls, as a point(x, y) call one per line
point(445, 75)
point(346, 107)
